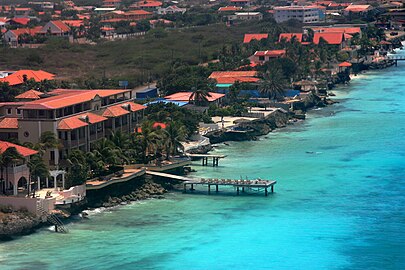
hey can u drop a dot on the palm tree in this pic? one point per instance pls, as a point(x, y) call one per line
point(273, 85)
point(10, 156)
point(105, 150)
point(38, 169)
point(174, 134)
point(199, 96)
point(78, 169)
point(48, 140)
point(120, 139)
point(149, 138)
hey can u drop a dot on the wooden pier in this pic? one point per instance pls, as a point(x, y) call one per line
point(205, 157)
point(240, 186)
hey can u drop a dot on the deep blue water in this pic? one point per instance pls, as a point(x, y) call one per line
point(339, 201)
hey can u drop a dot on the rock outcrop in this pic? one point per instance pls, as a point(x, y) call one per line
point(14, 223)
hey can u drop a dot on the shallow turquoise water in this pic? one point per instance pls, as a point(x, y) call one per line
point(339, 202)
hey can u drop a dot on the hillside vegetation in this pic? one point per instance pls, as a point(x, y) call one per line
point(136, 60)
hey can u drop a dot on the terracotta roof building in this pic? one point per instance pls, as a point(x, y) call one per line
point(78, 117)
point(249, 37)
point(20, 76)
point(263, 56)
point(288, 36)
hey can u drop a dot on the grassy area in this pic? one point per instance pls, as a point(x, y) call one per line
point(131, 60)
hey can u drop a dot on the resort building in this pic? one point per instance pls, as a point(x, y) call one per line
point(304, 14)
point(212, 98)
point(17, 173)
point(230, 77)
point(289, 36)
point(171, 10)
point(249, 37)
point(78, 118)
point(261, 57)
point(19, 77)
point(248, 16)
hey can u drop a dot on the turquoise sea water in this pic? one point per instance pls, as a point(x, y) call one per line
point(339, 202)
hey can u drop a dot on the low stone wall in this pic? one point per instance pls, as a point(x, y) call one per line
point(20, 203)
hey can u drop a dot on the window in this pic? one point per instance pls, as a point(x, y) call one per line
point(9, 111)
point(18, 111)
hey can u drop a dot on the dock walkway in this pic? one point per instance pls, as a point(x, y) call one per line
point(239, 185)
point(205, 157)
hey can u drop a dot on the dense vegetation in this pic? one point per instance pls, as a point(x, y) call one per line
point(136, 60)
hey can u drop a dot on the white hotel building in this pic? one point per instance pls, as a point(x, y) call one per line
point(305, 14)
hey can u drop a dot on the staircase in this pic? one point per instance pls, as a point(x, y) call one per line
point(52, 218)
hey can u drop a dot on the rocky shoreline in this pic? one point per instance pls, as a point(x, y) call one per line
point(15, 223)
point(250, 130)
point(149, 190)
point(18, 223)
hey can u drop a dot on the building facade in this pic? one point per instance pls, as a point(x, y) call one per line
point(78, 118)
point(304, 14)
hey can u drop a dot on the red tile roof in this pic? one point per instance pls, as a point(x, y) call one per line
point(9, 123)
point(357, 8)
point(67, 97)
point(230, 8)
point(219, 74)
point(289, 36)
point(18, 77)
point(79, 121)
point(30, 31)
point(151, 4)
point(73, 23)
point(138, 12)
point(115, 111)
point(232, 80)
point(271, 53)
point(30, 94)
point(61, 25)
point(330, 38)
point(185, 96)
point(22, 21)
point(158, 124)
point(249, 37)
point(24, 151)
point(347, 30)
point(345, 64)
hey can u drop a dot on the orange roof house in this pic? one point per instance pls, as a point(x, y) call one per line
point(229, 9)
point(185, 96)
point(222, 74)
point(122, 109)
point(346, 30)
point(150, 4)
point(79, 121)
point(249, 37)
point(18, 77)
point(67, 97)
point(73, 23)
point(19, 21)
point(345, 64)
point(30, 95)
point(57, 28)
point(289, 36)
point(24, 151)
point(271, 53)
point(9, 123)
point(330, 38)
point(357, 9)
point(227, 77)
